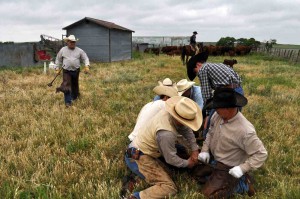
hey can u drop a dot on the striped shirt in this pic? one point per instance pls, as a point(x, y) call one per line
point(70, 58)
point(213, 75)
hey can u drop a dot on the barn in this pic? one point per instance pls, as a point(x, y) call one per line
point(102, 40)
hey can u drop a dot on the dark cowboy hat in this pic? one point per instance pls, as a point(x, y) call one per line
point(195, 32)
point(191, 64)
point(226, 98)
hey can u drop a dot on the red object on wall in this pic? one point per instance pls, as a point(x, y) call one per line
point(43, 56)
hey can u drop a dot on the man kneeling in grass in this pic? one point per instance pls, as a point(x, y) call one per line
point(158, 138)
point(233, 143)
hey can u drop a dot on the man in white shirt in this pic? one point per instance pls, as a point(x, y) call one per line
point(69, 58)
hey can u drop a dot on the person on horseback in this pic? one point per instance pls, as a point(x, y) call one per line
point(193, 42)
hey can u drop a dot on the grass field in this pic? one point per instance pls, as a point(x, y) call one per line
point(286, 46)
point(49, 151)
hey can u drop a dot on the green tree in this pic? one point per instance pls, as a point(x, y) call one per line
point(226, 41)
point(248, 42)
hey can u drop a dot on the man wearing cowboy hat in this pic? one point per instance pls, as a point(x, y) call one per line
point(212, 76)
point(69, 57)
point(166, 82)
point(233, 143)
point(188, 89)
point(152, 108)
point(157, 138)
point(193, 42)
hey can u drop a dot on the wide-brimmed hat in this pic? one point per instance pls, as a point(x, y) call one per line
point(183, 85)
point(195, 32)
point(70, 38)
point(191, 64)
point(185, 111)
point(169, 91)
point(166, 82)
point(226, 98)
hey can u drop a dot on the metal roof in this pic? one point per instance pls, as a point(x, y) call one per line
point(99, 22)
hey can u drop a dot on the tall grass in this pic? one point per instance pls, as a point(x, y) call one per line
point(49, 151)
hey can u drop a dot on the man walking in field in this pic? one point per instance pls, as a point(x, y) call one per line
point(157, 138)
point(69, 57)
point(234, 145)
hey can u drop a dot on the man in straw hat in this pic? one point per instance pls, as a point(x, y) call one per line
point(152, 108)
point(233, 143)
point(188, 89)
point(69, 58)
point(166, 82)
point(146, 114)
point(212, 76)
point(156, 139)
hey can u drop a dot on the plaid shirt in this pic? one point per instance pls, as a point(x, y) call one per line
point(213, 75)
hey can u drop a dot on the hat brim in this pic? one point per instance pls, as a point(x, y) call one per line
point(165, 90)
point(191, 64)
point(67, 39)
point(190, 84)
point(194, 124)
point(240, 101)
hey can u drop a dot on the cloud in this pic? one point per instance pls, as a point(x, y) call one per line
point(26, 20)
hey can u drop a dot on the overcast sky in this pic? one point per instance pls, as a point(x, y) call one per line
point(25, 20)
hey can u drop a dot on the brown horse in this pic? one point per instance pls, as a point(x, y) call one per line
point(187, 51)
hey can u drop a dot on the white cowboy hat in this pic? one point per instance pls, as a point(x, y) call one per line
point(185, 111)
point(166, 82)
point(183, 85)
point(169, 91)
point(70, 38)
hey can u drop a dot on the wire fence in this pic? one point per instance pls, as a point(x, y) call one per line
point(293, 55)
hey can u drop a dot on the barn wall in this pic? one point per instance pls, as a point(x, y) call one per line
point(121, 45)
point(17, 54)
point(93, 39)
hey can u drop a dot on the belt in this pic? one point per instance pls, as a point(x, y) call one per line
point(133, 153)
point(229, 86)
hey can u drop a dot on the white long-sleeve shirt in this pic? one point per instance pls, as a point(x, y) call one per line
point(70, 59)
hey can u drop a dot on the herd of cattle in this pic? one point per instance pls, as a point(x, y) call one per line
point(213, 50)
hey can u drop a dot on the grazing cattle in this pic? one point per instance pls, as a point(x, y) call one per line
point(152, 50)
point(242, 50)
point(167, 49)
point(230, 62)
point(174, 52)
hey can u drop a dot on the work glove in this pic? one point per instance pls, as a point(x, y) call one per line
point(204, 157)
point(86, 69)
point(236, 172)
point(57, 71)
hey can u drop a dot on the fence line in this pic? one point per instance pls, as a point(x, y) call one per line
point(292, 55)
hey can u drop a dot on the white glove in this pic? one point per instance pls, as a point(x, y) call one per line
point(236, 172)
point(204, 157)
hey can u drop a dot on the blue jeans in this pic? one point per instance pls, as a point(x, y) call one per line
point(70, 81)
point(132, 165)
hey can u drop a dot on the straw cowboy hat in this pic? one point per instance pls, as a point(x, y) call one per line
point(166, 82)
point(169, 91)
point(70, 38)
point(183, 85)
point(226, 98)
point(191, 64)
point(185, 111)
